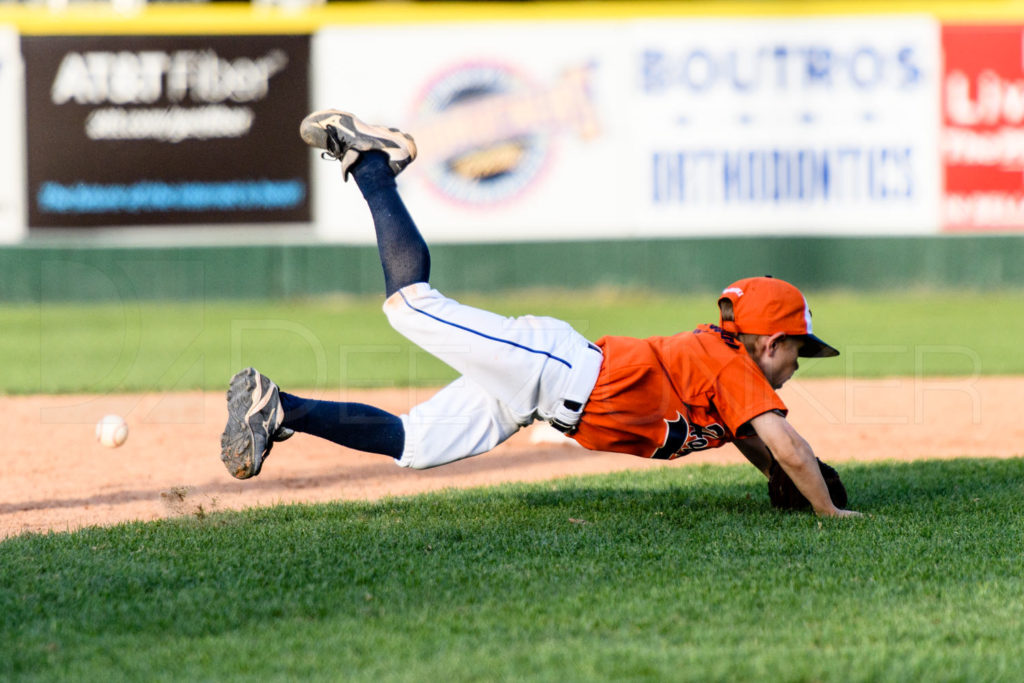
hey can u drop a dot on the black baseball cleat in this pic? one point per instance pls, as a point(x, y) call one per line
point(254, 423)
point(344, 137)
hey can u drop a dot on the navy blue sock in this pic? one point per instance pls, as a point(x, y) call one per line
point(403, 253)
point(353, 425)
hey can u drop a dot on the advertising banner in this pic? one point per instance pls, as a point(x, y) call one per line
point(147, 130)
point(514, 143)
point(12, 135)
point(983, 127)
point(816, 125)
point(642, 127)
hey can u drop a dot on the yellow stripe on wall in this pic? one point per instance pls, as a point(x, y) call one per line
point(243, 18)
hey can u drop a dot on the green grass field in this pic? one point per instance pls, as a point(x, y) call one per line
point(671, 574)
point(162, 346)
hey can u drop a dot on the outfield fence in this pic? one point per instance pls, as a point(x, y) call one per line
point(33, 274)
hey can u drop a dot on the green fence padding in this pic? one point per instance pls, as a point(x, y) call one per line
point(34, 273)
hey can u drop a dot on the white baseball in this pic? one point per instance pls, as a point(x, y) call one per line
point(111, 431)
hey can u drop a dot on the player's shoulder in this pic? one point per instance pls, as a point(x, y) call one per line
point(712, 331)
point(704, 350)
point(720, 352)
point(705, 341)
point(714, 342)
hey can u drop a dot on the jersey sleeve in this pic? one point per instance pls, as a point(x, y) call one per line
point(741, 393)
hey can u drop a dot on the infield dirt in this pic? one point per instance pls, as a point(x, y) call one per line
point(55, 476)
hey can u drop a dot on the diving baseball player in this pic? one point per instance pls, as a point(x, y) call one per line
point(663, 397)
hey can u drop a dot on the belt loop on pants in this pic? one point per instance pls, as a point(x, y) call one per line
point(567, 415)
point(565, 428)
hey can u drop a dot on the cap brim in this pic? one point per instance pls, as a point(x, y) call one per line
point(815, 348)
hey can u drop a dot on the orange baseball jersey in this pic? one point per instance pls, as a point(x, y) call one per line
point(665, 397)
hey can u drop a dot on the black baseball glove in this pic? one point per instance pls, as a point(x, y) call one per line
point(786, 496)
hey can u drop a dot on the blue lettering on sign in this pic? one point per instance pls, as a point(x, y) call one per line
point(148, 196)
point(698, 69)
point(781, 55)
point(866, 67)
point(744, 77)
point(653, 71)
point(818, 69)
point(910, 72)
point(781, 176)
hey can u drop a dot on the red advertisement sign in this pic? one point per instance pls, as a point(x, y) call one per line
point(983, 127)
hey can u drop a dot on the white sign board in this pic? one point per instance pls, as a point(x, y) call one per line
point(12, 136)
point(513, 140)
point(787, 126)
point(644, 128)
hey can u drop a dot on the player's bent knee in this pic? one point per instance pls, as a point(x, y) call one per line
point(424, 460)
point(411, 300)
point(427, 453)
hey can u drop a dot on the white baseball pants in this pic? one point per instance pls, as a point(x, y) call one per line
point(514, 370)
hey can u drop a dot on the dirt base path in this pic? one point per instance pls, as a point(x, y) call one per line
point(54, 476)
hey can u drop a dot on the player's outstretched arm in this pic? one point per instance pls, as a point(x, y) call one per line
point(796, 458)
point(754, 450)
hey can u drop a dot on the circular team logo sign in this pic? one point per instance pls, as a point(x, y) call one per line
point(484, 131)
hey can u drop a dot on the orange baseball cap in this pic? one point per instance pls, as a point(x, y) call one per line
point(766, 305)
